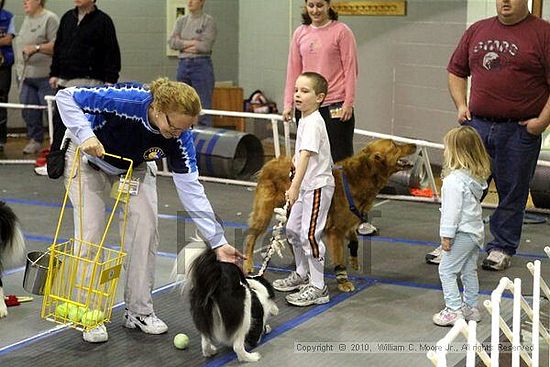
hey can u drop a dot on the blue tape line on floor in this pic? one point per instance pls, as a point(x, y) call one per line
point(241, 225)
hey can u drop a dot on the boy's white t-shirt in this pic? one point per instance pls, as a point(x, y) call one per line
point(312, 136)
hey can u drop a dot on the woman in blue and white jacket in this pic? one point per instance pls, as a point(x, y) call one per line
point(143, 123)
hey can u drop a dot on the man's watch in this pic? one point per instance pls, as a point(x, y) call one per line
point(37, 48)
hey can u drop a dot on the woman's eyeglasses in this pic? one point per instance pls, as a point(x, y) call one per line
point(175, 129)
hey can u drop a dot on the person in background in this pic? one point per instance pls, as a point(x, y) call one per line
point(142, 123)
point(466, 167)
point(7, 33)
point(85, 53)
point(34, 49)
point(511, 49)
point(193, 36)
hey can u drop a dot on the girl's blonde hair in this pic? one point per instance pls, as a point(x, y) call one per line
point(171, 96)
point(465, 150)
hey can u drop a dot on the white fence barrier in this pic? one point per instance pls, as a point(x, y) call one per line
point(439, 358)
point(499, 325)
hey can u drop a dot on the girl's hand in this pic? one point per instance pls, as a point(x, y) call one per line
point(446, 243)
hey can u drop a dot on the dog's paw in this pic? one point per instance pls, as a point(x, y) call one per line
point(267, 329)
point(346, 286)
point(209, 350)
point(354, 263)
point(3, 309)
point(249, 357)
point(274, 310)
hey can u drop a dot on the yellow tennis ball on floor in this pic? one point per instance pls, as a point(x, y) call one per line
point(181, 341)
point(92, 318)
point(62, 310)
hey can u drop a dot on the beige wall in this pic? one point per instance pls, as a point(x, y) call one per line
point(402, 86)
point(141, 32)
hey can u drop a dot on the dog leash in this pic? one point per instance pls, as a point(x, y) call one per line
point(278, 240)
point(362, 216)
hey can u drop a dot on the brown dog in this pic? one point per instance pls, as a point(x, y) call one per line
point(367, 173)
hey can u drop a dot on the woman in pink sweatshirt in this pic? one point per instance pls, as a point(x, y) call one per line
point(324, 45)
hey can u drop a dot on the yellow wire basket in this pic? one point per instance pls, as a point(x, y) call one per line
point(82, 277)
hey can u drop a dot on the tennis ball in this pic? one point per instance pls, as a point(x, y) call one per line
point(62, 310)
point(76, 313)
point(181, 341)
point(92, 318)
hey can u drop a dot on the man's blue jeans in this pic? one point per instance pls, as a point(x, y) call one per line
point(199, 73)
point(514, 153)
point(33, 91)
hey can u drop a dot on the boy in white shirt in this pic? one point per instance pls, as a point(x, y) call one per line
point(309, 195)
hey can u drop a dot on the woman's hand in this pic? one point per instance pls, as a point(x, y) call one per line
point(287, 114)
point(230, 254)
point(93, 147)
point(28, 51)
point(347, 111)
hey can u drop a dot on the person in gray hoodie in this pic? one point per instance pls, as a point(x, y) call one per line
point(466, 168)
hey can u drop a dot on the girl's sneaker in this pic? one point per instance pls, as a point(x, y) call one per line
point(470, 313)
point(447, 317)
point(290, 283)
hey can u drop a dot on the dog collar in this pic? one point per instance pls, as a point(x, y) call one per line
point(362, 216)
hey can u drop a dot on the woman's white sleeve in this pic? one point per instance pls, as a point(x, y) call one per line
point(72, 116)
point(194, 200)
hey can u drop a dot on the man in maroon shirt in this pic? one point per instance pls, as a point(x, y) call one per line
point(508, 60)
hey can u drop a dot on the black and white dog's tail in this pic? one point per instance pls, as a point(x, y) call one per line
point(217, 291)
point(12, 242)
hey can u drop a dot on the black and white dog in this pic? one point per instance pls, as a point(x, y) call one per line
point(227, 307)
point(12, 245)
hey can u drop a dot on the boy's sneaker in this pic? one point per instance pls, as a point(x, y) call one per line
point(149, 324)
point(470, 313)
point(309, 295)
point(447, 317)
point(96, 335)
point(497, 260)
point(434, 257)
point(292, 282)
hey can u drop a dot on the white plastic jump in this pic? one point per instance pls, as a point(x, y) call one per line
point(439, 358)
point(498, 326)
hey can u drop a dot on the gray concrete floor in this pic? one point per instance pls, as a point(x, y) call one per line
point(394, 308)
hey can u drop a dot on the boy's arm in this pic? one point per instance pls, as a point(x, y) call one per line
point(294, 190)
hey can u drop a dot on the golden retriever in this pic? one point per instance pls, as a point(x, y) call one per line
point(367, 173)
